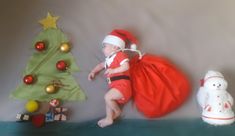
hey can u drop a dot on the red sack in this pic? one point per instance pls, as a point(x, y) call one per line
point(158, 86)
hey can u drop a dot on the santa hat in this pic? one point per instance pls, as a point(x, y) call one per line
point(121, 38)
point(211, 74)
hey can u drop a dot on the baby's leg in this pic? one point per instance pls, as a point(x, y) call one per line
point(112, 108)
point(110, 99)
point(108, 120)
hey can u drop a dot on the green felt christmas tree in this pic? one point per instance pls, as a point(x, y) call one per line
point(48, 74)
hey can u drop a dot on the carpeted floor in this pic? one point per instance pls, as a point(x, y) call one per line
point(127, 127)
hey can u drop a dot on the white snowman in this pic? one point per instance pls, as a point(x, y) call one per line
point(214, 99)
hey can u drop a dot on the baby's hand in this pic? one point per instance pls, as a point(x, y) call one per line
point(91, 76)
point(109, 71)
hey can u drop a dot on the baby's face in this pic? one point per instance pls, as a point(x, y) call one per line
point(108, 49)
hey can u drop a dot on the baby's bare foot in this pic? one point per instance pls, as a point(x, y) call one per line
point(105, 122)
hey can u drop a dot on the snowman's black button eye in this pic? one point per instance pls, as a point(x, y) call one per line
point(219, 84)
point(213, 84)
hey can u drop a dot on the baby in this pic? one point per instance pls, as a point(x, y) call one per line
point(117, 74)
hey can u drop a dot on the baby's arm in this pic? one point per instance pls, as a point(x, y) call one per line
point(122, 68)
point(96, 70)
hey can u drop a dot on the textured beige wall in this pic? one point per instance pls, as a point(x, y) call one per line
point(197, 35)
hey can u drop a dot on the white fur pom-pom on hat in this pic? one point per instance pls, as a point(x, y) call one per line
point(133, 47)
point(121, 38)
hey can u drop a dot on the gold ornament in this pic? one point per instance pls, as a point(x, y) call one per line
point(51, 89)
point(65, 47)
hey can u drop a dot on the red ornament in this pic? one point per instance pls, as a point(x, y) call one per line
point(40, 46)
point(28, 79)
point(61, 65)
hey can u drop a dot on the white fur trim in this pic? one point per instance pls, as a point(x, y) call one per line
point(114, 40)
point(125, 60)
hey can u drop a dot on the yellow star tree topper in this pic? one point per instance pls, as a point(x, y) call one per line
point(49, 21)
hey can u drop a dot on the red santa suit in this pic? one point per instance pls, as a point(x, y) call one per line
point(122, 85)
